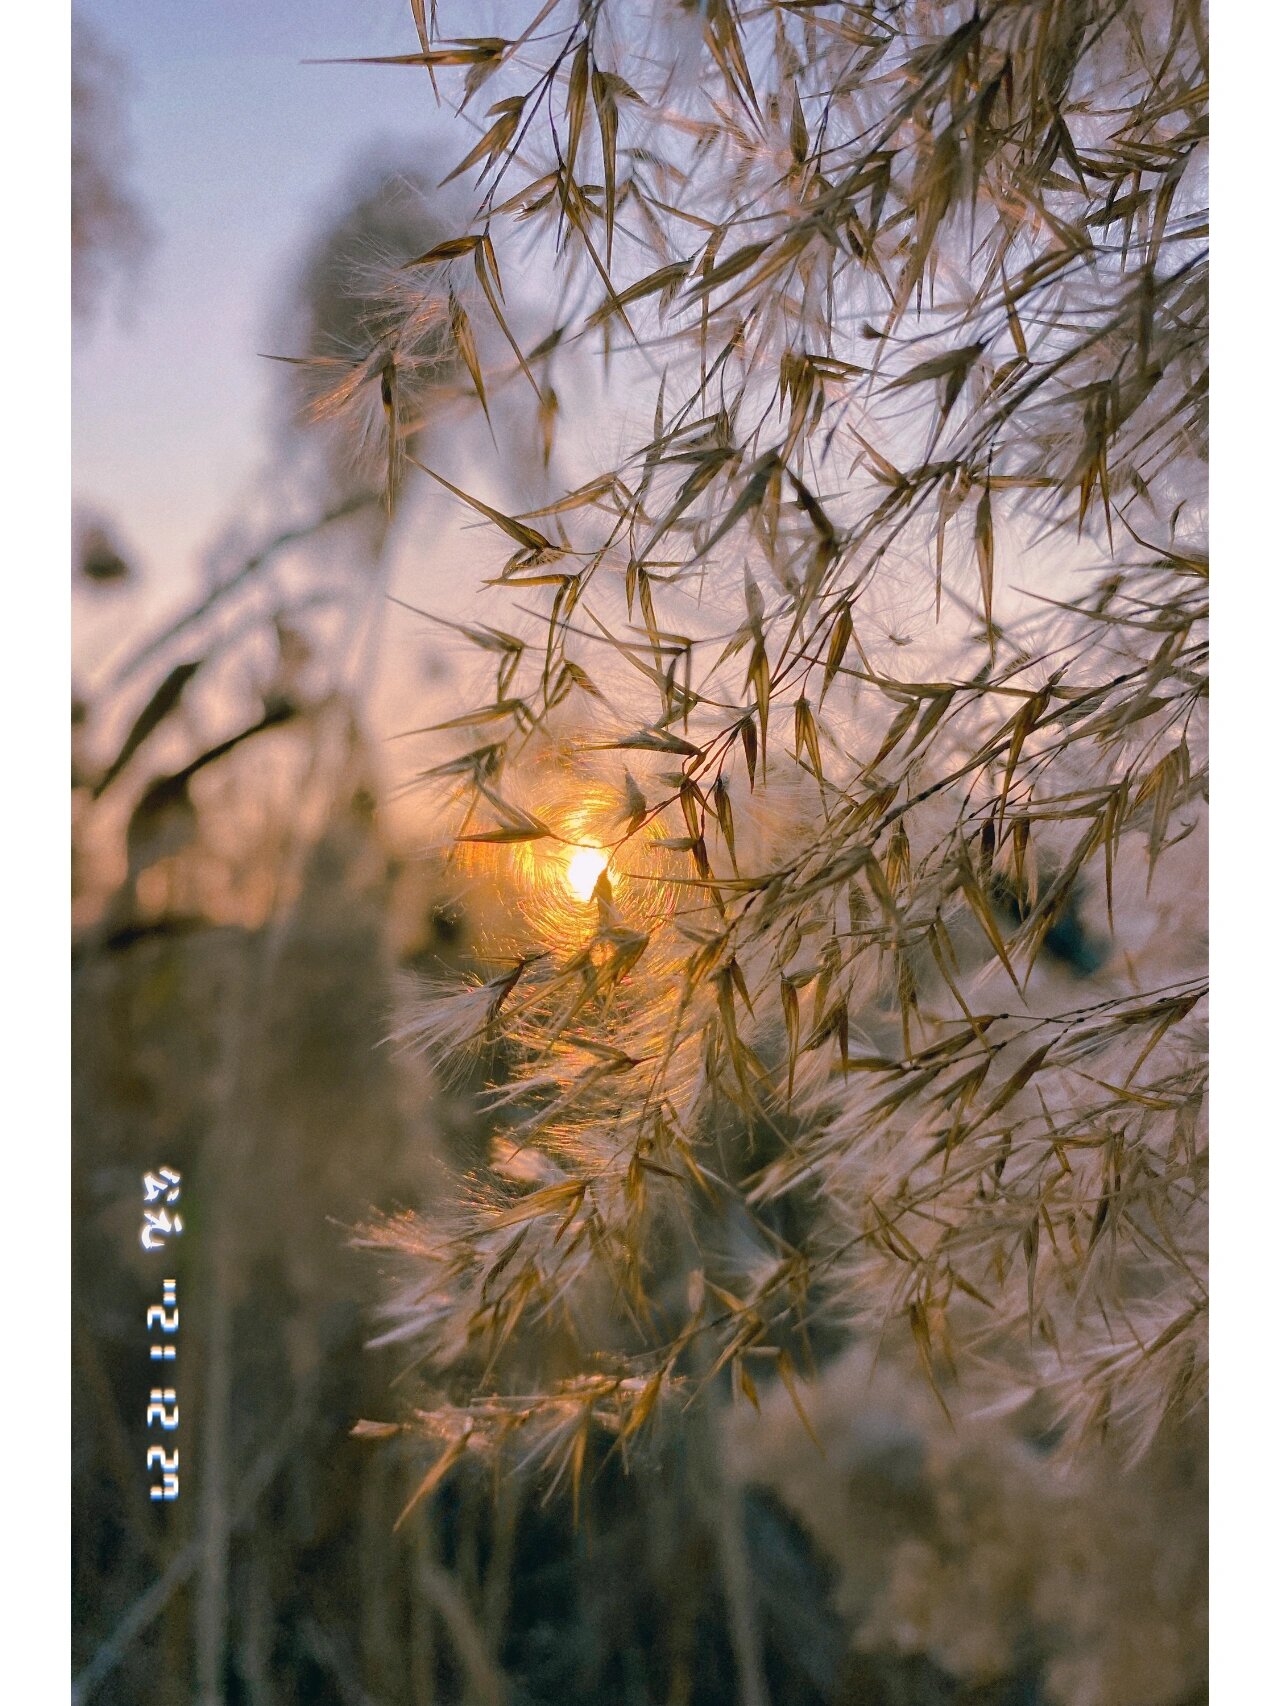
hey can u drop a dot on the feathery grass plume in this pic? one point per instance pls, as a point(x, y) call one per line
point(887, 637)
point(365, 367)
point(979, 1556)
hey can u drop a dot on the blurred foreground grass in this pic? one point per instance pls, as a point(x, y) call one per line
point(890, 1559)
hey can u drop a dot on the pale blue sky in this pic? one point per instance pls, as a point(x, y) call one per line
point(237, 146)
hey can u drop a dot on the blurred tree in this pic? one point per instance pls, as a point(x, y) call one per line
point(109, 230)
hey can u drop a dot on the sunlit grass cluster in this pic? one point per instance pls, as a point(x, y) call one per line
point(838, 746)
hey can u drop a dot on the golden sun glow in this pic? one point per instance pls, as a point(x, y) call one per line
point(582, 872)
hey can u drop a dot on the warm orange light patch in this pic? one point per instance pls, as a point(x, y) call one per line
point(582, 872)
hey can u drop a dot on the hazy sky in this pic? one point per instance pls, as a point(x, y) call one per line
point(237, 147)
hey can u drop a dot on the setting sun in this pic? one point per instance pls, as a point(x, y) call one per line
point(583, 871)
point(622, 934)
